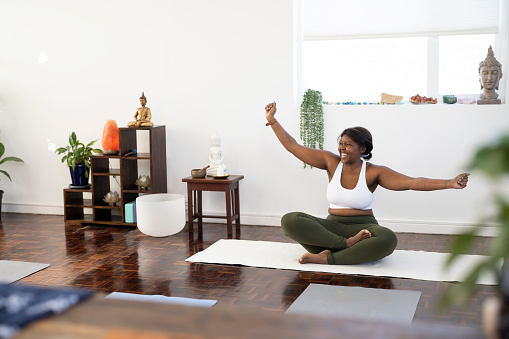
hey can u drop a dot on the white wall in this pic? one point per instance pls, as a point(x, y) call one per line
point(209, 66)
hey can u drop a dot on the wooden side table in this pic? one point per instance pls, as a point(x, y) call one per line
point(230, 186)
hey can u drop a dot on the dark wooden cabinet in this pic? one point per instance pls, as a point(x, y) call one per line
point(86, 206)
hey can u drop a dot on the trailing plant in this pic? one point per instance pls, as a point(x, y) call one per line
point(493, 161)
point(311, 120)
point(3, 160)
point(78, 153)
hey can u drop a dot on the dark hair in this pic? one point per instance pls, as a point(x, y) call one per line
point(362, 137)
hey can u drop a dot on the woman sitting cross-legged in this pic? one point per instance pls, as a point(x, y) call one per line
point(350, 234)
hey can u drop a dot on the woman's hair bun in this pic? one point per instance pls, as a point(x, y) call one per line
point(367, 156)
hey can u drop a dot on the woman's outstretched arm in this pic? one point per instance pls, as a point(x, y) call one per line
point(395, 181)
point(313, 157)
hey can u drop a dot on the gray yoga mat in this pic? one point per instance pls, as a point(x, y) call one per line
point(375, 304)
point(11, 271)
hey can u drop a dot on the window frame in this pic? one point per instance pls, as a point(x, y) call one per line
point(500, 48)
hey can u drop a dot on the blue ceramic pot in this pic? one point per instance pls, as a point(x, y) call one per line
point(78, 175)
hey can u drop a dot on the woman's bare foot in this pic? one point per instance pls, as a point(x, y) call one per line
point(363, 234)
point(320, 258)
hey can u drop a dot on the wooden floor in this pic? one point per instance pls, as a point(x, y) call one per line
point(120, 259)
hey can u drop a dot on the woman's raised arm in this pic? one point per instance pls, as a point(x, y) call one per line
point(312, 157)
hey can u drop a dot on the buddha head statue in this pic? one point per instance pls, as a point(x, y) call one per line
point(490, 73)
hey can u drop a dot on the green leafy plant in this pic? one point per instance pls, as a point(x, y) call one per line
point(78, 153)
point(493, 161)
point(3, 160)
point(311, 120)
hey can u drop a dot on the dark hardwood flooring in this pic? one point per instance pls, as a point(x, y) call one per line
point(121, 259)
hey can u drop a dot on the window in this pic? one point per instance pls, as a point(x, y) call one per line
point(459, 58)
point(360, 70)
point(354, 51)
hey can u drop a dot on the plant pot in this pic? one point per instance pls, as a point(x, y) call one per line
point(496, 309)
point(78, 175)
point(503, 325)
point(1, 194)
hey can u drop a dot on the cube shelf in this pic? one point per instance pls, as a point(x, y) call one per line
point(78, 202)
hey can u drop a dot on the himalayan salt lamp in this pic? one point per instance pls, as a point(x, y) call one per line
point(109, 141)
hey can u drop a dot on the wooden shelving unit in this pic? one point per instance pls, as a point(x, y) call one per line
point(86, 206)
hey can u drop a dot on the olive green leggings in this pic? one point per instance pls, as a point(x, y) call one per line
point(317, 234)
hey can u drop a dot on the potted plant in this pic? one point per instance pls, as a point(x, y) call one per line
point(2, 161)
point(311, 120)
point(493, 161)
point(77, 155)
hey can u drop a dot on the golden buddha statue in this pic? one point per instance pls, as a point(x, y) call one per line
point(142, 115)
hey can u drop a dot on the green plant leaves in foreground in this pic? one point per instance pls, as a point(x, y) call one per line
point(492, 160)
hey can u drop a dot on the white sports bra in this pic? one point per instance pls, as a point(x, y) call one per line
point(359, 198)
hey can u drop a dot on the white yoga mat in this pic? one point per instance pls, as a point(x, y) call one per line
point(11, 271)
point(163, 299)
point(376, 304)
point(402, 264)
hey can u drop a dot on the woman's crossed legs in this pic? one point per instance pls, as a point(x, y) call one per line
point(339, 240)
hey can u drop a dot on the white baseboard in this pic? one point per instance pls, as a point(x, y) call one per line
point(400, 226)
point(32, 209)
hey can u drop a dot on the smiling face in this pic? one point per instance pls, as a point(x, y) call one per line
point(349, 150)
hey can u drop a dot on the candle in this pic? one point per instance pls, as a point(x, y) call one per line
point(220, 171)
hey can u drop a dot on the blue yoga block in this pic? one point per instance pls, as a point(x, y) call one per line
point(130, 212)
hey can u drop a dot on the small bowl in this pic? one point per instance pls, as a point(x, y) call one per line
point(198, 173)
point(450, 99)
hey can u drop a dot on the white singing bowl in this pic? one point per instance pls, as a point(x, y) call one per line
point(160, 214)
